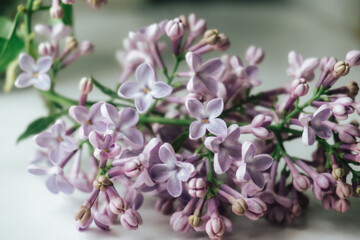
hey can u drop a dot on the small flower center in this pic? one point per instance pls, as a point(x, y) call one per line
point(205, 120)
point(59, 139)
point(88, 122)
point(146, 90)
point(196, 74)
point(35, 74)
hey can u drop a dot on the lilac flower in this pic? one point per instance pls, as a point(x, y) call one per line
point(258, 127)
point(54, 33)
point(253, 166)
point(313, 125)
point(202, 75)
point(105, 147)
point(57, 142)
point(90, 120)
point(56, 182)
point(353, 57)
point(206, 117)
point(34, 73)
point(254, 55)
point(150, 33)
point(131, 219)
point(171, 170)
point(342, 107)
point(123, 123)
point(145, 89)
point(225, 148)
point(300, 68)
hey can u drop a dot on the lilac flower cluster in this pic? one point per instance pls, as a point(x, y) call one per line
point(202, 141)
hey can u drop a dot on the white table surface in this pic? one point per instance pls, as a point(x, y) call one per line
point(314, 28)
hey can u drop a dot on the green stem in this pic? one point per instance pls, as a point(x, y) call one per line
point(169, 121)
point(27, 21)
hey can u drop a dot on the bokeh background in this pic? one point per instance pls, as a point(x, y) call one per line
point(310, 27)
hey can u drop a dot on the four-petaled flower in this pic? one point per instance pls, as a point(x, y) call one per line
point(57, 142)
point(313, 125)
point(202, 75)
point(206, 117)
point(252, 167)
point(34, 73)
point(301, 69)
point(90, 120)
point(225, 148)
point(145, 89)
point(171, 170)
point(123, 123)
point(105, 146)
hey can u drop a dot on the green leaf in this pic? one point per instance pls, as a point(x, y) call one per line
point(11, 48)
point(104, 89)
point(5, 27)
point(39, 125)
point(68, 14)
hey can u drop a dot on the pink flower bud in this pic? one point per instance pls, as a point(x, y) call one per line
point(46, 49)
point(197, 187)
point(86, 85)
point(117, 205)
point(131, 219)
point(342, 205)
point(175, 29)
point(301, 183)
point(133, 168)
point(344, 190)
point(299, 87)
point(327, 64)
point(215, 227)
point(353, 57)
point(56, 10)
point(254, 55)
point(348, 133)
point(341, 68)
point(179, 222)
point(342, 107)
point(223, 44)
point(86, 48)
point(328, 201)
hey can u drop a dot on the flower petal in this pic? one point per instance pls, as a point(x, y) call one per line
point(309, 65)
point(130, 90)
point(174, 186)
point(134, 136)
point(197, 130)
point(143, 103)
point(27, 63)
point(24, 80)
point(37, 170)
point(160, 173)
point(79, 113)
point(57, 154)
point(128, 118)
point(64, 185)
point(217, 126)
point(186, 169)
point(210, 84)
point(222, 161)
point(145, 74)
point(167, 155)
point(193, 60)
point(214, 107)
point(308, 136)
point(241, 172)
point(211, 67)
point(160, 90)
point(46, 140)
point(43, 64)
point(248, 151)
point(195, 108)
point(51, 184)
point(42, 82)
point(323, 113)
point(110, 113)
point(257, 178)
point(261, 162)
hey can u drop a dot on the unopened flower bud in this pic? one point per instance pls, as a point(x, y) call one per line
point(327, 63)
point(301, 183)
point(342, 205)
point(254, 55)
point(353, 58)
point(70, 43)
point(175, 28)
point(56, 11)
point(353, 89)
point(46, 49)
point(83, 214)
point(21, 8)
point(86, 48)
point(117, 205)
point(133, 168)
point(344, 190)
point(341, 68)
point(296, 209)
point(239, 206)
point(197, 187)
point(211, 36)
point(223, 44)
point(101, 183)
point(194, 220)
point(337, 173)
point(86, 85)
point(131, 219)
point(215, 227)
point(299, 87)
point(184, 20)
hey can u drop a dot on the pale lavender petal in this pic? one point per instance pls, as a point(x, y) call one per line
point(210, 84)
point(143, 103)
point(186, 169)
point(130, 90)
point(295, 59)
point(217, 126)
point(27, 63)
point(59, 128)
point(160, 90)
point(241, 171)
point(211, 67)
point(46, 140)
point(193, 60)
point(215, 107)
point(37, 170)
point(24, 80)
point(323, 113)
point(42, 82)
point(257, 178)
point(195, 108)
point(134, 136)
point(222, 161)
point(309, 65)
point(43, 29)
point(79, 113)
point(95, 112)
point(194, 84)
point(322, 131)
point(160, 173)
point(308, 136)
point(248, 151)
point(69, 144)
point(212, 143)
point(305, 118)
point(64, 185)
point(128, 118)
point(60, 30)
point(95, 139)
point(261, 162)
point(57, 154)
point(197, 130)
point(145, 74)
point(43, 64)
point(167, 155)
point(51, 184)
point(174, 186)
point(110, 113)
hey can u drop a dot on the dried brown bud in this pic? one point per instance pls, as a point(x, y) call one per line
point(341, 68)
point(353, 89)
point(183, 19)
point(239, 206)
point(71, 43)
point(211, 36)
point(337, 173)
point(83, 214)
point(101, 183)
point(194, 220)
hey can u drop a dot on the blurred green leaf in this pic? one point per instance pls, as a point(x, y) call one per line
point(5, 27)
point(68, 14)
point(40, 125)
